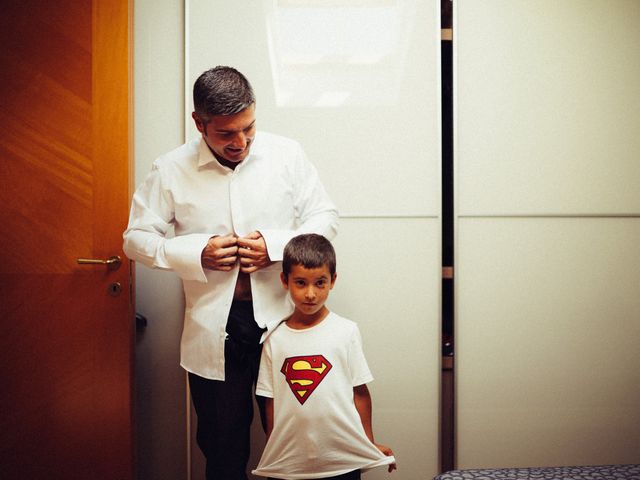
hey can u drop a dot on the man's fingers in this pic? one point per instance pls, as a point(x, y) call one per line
point(223, 241)
point(249, 244)
point(253, 241)
point(226, 252)
point(230, 260)
point(223, 252)
point(223, 268)
point(215, 262)
point(249, 254)
point(252, 236)
point(246, 261)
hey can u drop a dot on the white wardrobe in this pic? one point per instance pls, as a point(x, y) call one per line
point(547, 108)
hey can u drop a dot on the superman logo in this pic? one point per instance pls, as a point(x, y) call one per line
point(304, 374)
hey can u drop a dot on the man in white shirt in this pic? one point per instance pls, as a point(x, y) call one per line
point(234, 198)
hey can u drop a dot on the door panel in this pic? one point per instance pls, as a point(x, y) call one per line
point(547, 97)
point(66, 347)
point(547, 360)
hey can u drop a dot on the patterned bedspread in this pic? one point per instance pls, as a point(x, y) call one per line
point(595, 472)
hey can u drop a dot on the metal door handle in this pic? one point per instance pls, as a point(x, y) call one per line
point(112, 263)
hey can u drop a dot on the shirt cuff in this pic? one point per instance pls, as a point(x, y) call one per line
point(183, 254)
point(276, 241)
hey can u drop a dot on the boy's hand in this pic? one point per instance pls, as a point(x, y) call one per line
point(252, 250)
point(388, 452)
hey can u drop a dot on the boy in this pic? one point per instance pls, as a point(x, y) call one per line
point(313, 374)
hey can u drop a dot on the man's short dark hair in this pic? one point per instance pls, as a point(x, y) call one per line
point(309, 250)
point(221, 91)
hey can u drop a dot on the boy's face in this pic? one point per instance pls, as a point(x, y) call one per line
point(308, 287)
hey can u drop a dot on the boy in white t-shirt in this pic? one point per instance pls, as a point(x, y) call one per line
point(313, 374)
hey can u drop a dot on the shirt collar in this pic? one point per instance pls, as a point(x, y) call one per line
point(205, 156)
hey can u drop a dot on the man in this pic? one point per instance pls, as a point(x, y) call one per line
point(234, 198)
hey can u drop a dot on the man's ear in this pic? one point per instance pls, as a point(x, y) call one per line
point(199, 124)
point(333, 279)
point(283, 280)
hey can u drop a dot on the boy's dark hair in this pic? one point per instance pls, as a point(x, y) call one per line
point(309, 250)
point(221, 91)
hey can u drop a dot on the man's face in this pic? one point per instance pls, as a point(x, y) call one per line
point(229, 136)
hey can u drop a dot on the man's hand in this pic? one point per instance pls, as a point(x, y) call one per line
point(221, 253)
point(252, 250)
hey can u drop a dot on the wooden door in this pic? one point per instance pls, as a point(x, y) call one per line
point(66, 333)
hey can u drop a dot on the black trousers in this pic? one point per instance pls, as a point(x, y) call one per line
point(225, 408)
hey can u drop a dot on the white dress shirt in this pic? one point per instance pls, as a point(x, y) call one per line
point(275, 191)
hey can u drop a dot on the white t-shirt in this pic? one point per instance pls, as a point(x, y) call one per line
point(310, 374)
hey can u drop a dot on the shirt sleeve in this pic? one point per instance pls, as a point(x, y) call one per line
point(315, 212)
point(360, 372)
point(148, 238)
point(264, 385)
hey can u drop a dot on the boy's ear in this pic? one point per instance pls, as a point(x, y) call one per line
point(333, 279)
point(283, 279)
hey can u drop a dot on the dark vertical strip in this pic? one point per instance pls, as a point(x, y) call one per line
point(447, 417)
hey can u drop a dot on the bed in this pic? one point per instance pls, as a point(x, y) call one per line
point(592, 472)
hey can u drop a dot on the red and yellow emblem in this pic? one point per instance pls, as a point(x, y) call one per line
point(304, 374)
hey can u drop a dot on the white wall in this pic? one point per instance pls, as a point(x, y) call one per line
point(161, 424)
point(548, 232)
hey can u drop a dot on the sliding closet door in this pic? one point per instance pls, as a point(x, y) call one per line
point(547, 102)
point(357, 84)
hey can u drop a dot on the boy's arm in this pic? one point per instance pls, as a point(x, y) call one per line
point(362, 400)
point(268, 416)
